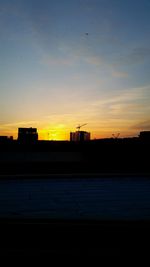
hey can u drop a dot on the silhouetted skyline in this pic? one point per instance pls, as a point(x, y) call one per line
point(65, 63)
point(31, 135)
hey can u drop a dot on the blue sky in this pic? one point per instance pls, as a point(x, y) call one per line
point(54, 76)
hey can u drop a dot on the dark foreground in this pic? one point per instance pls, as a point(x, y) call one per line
point(113, 242)
point(99, 156)
point(101, 238)
point(124, 201)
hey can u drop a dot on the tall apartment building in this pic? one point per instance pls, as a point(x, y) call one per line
point(79, 136)
point(27, 134)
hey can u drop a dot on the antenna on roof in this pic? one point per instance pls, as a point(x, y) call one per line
point(116, 136)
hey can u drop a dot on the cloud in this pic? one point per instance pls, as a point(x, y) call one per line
point(129, 105)
point(139, 54)
point(93, 60)
point(57, 61)
point(85, 54)
point(126, 95)
point(18, 124)
point(144, 125)
point(120, 74)
point(136, 56)
point(128, 109)
point(78, 52)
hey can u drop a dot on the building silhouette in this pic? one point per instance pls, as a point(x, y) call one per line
point(144, 135)
point(4, 139)
point(27, 135)
point(79, 136)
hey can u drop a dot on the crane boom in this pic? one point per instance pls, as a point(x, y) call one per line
point(79, 126)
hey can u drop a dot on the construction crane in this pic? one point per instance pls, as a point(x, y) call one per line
point(79, 126)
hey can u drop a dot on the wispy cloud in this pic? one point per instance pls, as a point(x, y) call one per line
point(139, 54)
point(18, 124)
point(93, 60)
point(143, 125)
point(68, 55)
point(120, 74)
point(117, 112)
point(130, 105)
point(136, 56)
point(125, 95)
point(57, 61)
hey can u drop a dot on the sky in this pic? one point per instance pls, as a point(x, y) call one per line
point(65, 63)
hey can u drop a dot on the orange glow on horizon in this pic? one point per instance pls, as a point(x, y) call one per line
point(52, 135)
point(62, 133)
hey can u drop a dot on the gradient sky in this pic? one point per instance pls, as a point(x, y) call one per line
point(70, 62)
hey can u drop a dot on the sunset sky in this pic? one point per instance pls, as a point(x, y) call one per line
point(70, 62)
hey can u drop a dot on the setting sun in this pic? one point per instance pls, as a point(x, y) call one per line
point(53, 134)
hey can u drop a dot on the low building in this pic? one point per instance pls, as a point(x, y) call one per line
point(79, 136)
point(145, 135)
point(4, 139)
point(27, 135)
